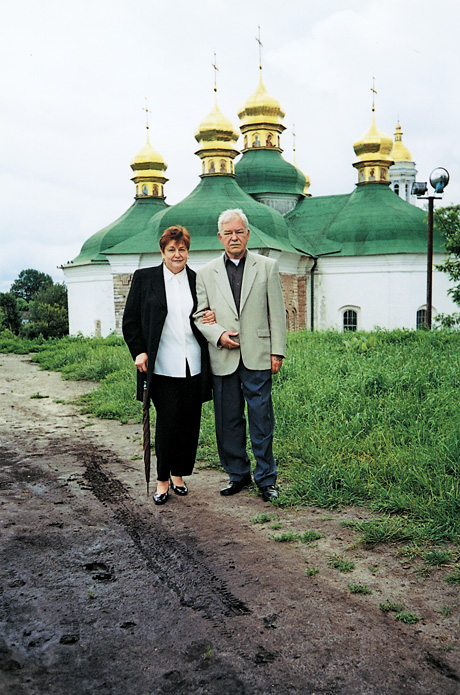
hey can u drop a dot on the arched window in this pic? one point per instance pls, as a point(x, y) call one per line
point(350, 320)
point(397, 188)
point(421, 319)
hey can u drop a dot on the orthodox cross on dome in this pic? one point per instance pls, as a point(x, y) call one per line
point(147, 111)
point(260, 49)
point(216, 69)
point(374, 92)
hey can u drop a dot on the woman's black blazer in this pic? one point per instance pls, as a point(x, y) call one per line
point(143, 320)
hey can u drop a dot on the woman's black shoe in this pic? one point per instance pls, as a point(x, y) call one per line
point(179, 489)
point(160, 499)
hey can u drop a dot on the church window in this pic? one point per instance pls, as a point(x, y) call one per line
point(350, 320)
point(421, 319)
point(397, 188)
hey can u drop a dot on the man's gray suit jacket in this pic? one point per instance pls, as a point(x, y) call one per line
point(261, 324)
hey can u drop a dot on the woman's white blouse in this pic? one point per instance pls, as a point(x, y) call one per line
point(177, 342)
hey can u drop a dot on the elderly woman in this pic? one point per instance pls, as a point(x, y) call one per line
point(172, 355)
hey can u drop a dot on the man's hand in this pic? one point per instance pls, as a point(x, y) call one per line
point(277, 363)
point(226, 341)
point(141, 362)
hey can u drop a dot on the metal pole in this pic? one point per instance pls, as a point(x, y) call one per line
point(429, 263)
point(312, 295)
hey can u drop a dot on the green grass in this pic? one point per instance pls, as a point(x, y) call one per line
point(310, 536)
point(385, 530)
point(340, 564)
point(390, 606)
point(311, 571)
point(437, 558)
point(261, 519)
point(286, 537)
point(453, 578)
point(359, 589)
point(369, 420)
point(408, 618)
point(289, 536)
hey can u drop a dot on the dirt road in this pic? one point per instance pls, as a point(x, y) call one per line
point(104, 593)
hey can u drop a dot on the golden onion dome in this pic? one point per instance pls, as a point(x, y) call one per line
point(261, 106)
point(374, 145)
point(400, 153)
point(148, 157)
point(216, 126)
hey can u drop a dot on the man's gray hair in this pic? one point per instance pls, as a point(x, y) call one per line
point(228, 215)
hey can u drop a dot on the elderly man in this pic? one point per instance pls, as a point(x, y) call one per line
point(246, 346)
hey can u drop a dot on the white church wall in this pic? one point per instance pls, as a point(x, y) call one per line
point(90, 298)
point(385, 291)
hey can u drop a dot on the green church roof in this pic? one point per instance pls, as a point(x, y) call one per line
point(265, 171)
point(199, 213)
point(125, 227)
point(372, 220)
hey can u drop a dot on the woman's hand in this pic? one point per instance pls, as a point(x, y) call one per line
point(208, 316)
point(141, 362)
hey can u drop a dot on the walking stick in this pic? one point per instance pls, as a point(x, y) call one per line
point(146, 432)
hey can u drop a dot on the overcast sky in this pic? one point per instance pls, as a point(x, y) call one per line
point(75, 75)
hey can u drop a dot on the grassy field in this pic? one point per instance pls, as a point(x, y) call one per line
point(361, 419)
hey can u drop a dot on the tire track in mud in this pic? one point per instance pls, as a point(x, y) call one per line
point(193, 582)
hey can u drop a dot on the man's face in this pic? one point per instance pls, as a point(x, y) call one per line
point(234, 236)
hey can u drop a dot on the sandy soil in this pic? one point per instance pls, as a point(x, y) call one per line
point(102, 592)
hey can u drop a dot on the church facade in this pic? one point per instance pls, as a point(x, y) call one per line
point(347, 262)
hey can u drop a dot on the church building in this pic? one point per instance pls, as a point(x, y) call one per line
point(347, 262)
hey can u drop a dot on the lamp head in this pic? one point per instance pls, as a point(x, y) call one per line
point(439, 178)
point(419, 188)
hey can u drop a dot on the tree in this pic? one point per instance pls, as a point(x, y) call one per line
point(9, 312)
point(29, 282)
point(48, 313)
point(447, 220)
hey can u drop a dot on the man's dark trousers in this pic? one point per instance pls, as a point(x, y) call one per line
point(230, 393)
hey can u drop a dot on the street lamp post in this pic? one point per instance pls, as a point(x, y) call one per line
point(439, 178)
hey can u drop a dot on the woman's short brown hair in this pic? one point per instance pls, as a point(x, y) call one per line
point(173, 234)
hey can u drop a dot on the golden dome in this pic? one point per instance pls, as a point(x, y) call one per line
point(216, 127)
point(148, 156)
point(149, 168)
point(400, 153)
point(261, 107)
point(373, 152)
point(374, 145)
point(216, 137)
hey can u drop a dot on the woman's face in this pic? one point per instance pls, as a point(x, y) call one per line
point(175, 256)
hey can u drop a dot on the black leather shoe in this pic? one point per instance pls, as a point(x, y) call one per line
point(160, 499)
point(269, 493)
point(179, 489)
point(235, 486)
